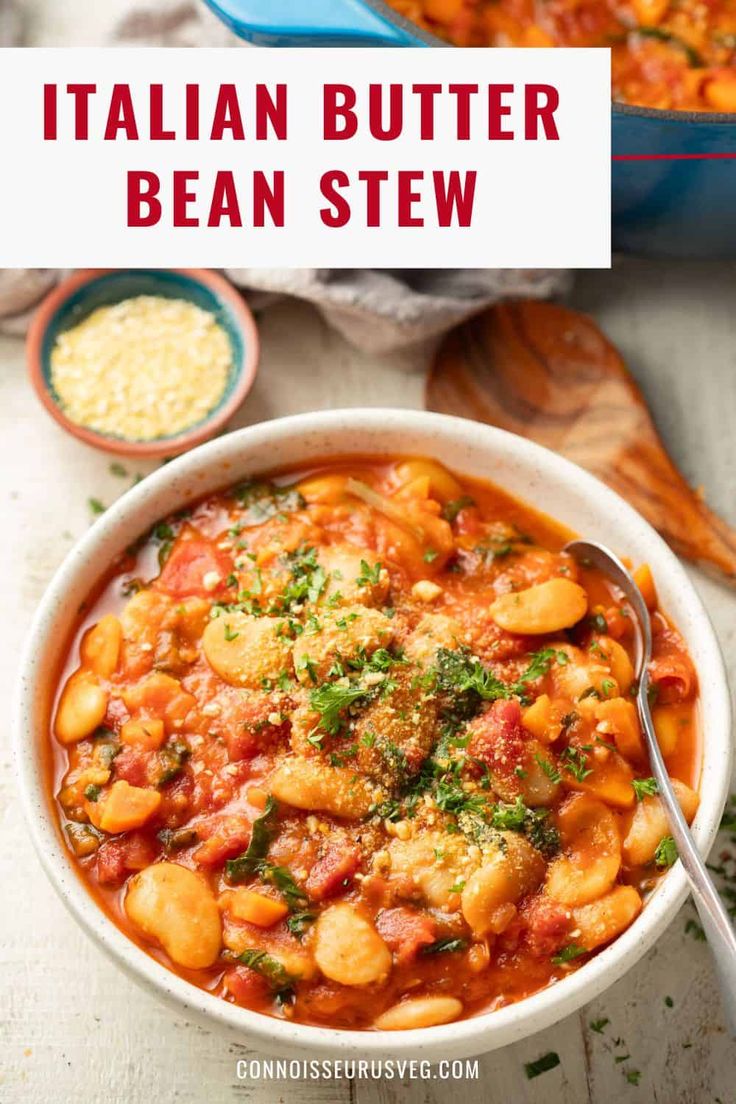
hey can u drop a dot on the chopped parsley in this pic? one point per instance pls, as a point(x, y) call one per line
point(694, 929)
point(567, 954)
point(644, 787)
point(540, 663)
point(666, 853)
point(575, 761)
point(442, 946)
point(230, 634)
point(369, 576)
point(451, 509)
point(331, 701)
point(599, 623)
point(547, 1062)
point(430, 555)
point(513, 817)
point(462, 673)
point(549, 769)
point(96, 507)
point(598, 1025)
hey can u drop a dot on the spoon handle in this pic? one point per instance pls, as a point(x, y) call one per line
point(715, 919)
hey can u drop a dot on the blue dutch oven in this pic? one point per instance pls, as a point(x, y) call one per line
point(674, 183)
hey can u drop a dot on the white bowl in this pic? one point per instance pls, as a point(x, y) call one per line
point(540, 477)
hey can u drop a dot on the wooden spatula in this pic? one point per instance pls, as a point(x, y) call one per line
point(548, 373)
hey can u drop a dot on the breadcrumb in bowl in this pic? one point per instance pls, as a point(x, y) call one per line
point(143, 362)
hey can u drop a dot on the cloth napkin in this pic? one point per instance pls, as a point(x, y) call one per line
point(378, 310)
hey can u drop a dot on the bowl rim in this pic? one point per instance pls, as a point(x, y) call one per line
point(464, 1038)
point(723, 118)
point(213, 282)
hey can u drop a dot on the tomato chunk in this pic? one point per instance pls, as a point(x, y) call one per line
point(332, 872)
point(118, 858)
point(547, 926)
point(185, 573)
point(498, 739)
point(245, 986)
point(131, 765)
point(224, 838)
point(673, 676)
point(405, 932)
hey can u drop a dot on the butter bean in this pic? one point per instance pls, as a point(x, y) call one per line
point(541, 609)
point(81, 709)
point(100, 648)
point(175, 907)
point(348, 949)
point(505, 877)
point(592, 852)
point(649, 825)
point(308, 783)
point(602, 920)
point(419, 1012)
point(245, 650)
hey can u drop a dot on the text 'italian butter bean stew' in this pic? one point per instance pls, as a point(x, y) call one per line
point(359, 747)
point(668, 54)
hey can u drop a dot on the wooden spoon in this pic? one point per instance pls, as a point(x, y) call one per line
point(548, 373)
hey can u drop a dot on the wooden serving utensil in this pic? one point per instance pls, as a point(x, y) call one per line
point(548, 373)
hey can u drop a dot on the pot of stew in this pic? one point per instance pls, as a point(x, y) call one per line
point(674, 90)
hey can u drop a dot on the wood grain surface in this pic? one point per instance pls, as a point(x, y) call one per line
point(549, 373)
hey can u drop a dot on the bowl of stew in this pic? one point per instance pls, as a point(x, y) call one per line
point(674, 90)
point(322, 736)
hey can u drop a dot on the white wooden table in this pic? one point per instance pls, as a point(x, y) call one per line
point(72, 1027)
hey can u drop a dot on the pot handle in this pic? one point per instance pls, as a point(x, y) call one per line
point(311, 23)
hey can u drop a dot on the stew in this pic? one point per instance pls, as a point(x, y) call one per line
point(357, 747)
point(670, 54)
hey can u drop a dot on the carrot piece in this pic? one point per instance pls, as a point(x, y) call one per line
point(618, 717)
point(645, 581)
point(147, 733)
point(257, 797)
point(256, 908)
point(124, 807)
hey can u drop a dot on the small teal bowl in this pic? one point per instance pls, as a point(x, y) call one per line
point(75, 298)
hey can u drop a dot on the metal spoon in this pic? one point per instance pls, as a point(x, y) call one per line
point(715, 919)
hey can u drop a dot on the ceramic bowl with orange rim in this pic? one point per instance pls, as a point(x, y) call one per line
point(76, 298)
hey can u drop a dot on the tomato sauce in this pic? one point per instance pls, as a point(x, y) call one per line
point(357, 747)
point(669, 54)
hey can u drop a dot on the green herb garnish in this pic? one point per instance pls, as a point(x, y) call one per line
point(644, 787)
point(542, 1065)
point(451, 509)
point(666, 853)
point(567, 954)
point(442, 946)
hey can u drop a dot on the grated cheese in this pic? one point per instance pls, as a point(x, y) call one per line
point(143, 368)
